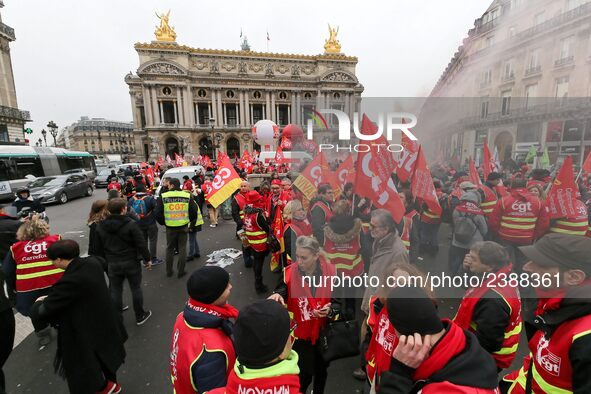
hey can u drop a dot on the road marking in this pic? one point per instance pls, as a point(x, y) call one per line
point(73, 232)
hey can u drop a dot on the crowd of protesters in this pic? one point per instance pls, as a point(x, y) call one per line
point(499, 225)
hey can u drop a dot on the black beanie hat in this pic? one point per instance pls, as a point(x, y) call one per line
point(411, 311)
point(261, 332)
point(207, 284)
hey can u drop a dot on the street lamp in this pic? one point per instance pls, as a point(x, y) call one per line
point(212, 124)
point(44, 133)
point(52, 130)
point(40, 142)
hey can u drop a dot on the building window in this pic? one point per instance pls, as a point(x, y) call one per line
point(572, 4)
point(257, 94)
point(561, 91)
point(230, 94)
point(533, 64)
point(142, 117)
point(567, 47)
point(506, 102)
point(201, 93)
point(283, 114)
point(489, 41)
point(3, 133)
point(307, 95)
point(282, 95)
point(203, 114)
point(233, 147)
point(231, 111)
point(257, 112)
point(530, 92)
point(516, 4)
point(573, 130)
point(486, 78)
point(168, 112)
point(528, 132)
point(490, 16)
point(484, 108)
point(508, 72)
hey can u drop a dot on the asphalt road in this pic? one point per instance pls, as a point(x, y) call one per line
point(146, 370)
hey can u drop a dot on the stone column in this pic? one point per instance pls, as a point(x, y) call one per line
point(268, 105)
point(292, 108)
point(147, 107)
point(273, 108)
point(155, 107)
point(214, 107)
point(247, 121)
point(189, 107)
point(180, 113)
point(298, 107)
point(348, 106)
point(319, 100)
point(135, 112)
point(220, 118)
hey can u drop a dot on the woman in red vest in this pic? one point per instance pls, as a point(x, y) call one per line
point(492, 311)
point(30, 272)
point(381, 337)
point(296, 224)
point(309, 301)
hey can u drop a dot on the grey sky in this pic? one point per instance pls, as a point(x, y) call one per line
point(70, 56)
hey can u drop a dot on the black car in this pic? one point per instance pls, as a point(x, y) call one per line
point(101, 178)
point(60, 188)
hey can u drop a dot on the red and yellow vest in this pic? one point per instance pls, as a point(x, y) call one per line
point(325, 208)
point(575, 225)
point(34, 270)
point(257, 237)
point(549, 359)
point(489, 202)
point(346, 256)
point(206, 188)
point(301, 303)
point(430, 217)
point(464, 317)
point(382, 343)
point(518, 220)
point(241, 201)
point(405, 236)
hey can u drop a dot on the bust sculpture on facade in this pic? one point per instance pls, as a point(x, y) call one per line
point(164, 32)
point(155, 145)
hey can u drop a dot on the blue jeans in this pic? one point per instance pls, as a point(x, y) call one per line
point(193, 244)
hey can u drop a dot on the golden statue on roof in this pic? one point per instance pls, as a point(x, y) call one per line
point(164, 32)
point(332, 45)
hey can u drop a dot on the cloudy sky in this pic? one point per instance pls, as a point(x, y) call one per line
point(70, 56)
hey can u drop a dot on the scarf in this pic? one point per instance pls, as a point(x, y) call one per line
point(224, 312)
point(450, 345)
point(469, 207)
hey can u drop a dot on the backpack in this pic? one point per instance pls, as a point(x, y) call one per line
point(464, 228)
point(139, 206)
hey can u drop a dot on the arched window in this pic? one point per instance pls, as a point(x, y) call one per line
point(206, 147)
point(172, 147)
point(233, 147)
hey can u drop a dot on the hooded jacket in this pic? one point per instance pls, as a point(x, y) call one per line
point(468, 198)
point(119, 240)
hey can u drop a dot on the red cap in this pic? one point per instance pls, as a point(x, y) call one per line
point(252, 197)
point(276, 182)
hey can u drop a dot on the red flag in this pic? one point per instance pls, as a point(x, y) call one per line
point(150, 175)
point(279, 157)
point(562, 196)
point(474, 177)
point(277, 227)
point(377, 187)
point(178, 160)
point(312, 176)
point(407, 158)
point(344, 173)
point(222, 156)
point(587, 164)
point(160, 162)
point(488, 162)
point(225, 183)
point(207, 162)
point(422, 184)
point(168, 159)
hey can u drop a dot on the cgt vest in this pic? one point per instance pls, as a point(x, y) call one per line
point(549, 359)
point(575, 225)
point(206, 188)
point(382, 343)
point(346, 256)
point(34, 270)
point(405, 236)
point(518, 220)
point(257, 237)
point(241, 201)
point(301, 303)
point(324, 207)
point(176, 208)
point(188, 344)
point(464, 317)
point(489, 202)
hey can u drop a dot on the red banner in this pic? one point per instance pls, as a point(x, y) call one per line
point(345, 171)
point(312, 176)
point(279, 157)
point(488, 162)
point(422, 184)
point(225, 183)
point(407, 158)
point(474, 177)
point(377, 187)
point(562, 196)
point(587, 164)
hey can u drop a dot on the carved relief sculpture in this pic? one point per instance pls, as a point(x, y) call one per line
point(214, 67)
point(242, 68)
point(269, 70)
point(295, 71)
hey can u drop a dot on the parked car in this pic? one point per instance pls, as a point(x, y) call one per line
point(90, 174)
point(60, 188)
point(101, 178)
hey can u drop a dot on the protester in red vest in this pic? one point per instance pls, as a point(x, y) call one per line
point(30, 272)
point(429, 225)
point(187, 184)
point(381, 338)
point(277, 198)
point(492, 311)
point(321, 210)
point(560, 358)
point(573, 225)
point(201, 351)
point(296, 225)
point(256, 230)
point(207, 188)
point(311, 304)
point(433, 355)
point(114, 185)
point(518, 219)
point(266, 362)
point(409, 226)
point(342, 244)
point(238, 203)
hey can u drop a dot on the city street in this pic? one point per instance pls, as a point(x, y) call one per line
point(146, 369)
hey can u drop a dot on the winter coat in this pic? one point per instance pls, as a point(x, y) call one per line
point(384, 251)
point(8, 228)
point(479, 221)
point(90, 331)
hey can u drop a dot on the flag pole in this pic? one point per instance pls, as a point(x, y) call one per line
point(578, 175)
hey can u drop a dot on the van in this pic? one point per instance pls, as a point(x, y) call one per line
point(179, 173)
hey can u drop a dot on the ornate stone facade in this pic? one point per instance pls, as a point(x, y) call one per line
point(188, 100)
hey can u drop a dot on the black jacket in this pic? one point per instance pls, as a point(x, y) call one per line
point(90, 331)
point(491, 315)
point(120, 241)
point(8, 229)
point(236, 211)
point(318, 219)
point(31, 203)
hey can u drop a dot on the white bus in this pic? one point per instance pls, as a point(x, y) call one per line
point(19, 165)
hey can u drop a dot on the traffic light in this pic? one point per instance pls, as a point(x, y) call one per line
point(28, 130)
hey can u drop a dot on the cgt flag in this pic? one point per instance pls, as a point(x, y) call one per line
point(562, 197)
point(312, 176)
point(377, 186)
point(488, 163)
point(345, 172)
point(225, 183)
point(407, 158)
point(474, 177)
point(279, 157)
point(278, 229)
point(422, 184)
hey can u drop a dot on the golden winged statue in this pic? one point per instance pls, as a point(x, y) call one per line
point(164, 32)
point(332, 45)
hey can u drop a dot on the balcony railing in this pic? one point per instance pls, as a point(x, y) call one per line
point(14, 113)
point(556, 21)
point(7, 32)
point(533, 70)
point(565, 61)
point(485, 84)
point(508, 77)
